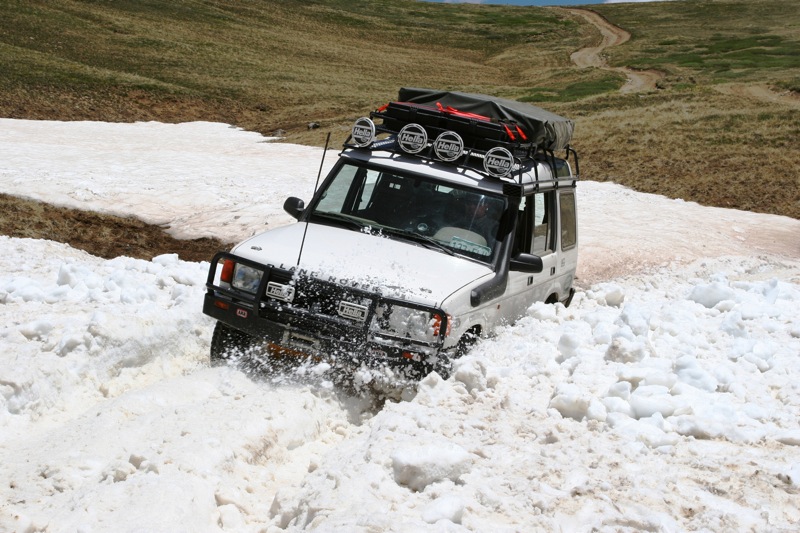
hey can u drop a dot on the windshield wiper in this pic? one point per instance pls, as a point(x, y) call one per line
point(416, 237)
point(357, 224)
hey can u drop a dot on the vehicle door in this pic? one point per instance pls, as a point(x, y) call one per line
point(536, 233)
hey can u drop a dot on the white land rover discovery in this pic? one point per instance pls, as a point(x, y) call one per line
point(446, 215)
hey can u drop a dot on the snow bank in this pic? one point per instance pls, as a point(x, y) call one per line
point(535, 432)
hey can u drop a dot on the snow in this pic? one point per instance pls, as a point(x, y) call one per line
point(665, 398)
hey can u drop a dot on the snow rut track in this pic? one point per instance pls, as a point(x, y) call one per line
point(105, 394)
point(214, 437)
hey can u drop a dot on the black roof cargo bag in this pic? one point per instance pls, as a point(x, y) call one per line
point(542, 128)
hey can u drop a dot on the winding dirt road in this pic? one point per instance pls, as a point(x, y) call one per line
point(646, 80)
point(591, 57)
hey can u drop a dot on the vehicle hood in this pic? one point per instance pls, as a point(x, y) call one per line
point(390, 267)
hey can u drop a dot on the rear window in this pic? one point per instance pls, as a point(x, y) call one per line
point(569, 234)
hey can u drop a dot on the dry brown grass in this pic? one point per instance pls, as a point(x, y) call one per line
point(102, 235)
point(710, 147)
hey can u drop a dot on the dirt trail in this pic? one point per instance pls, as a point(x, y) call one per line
point(763, 93)
point(591, 57)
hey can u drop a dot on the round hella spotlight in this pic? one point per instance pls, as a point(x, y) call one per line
point(363, 132)
point(412, 138)
point(448, 146)
point(498, 162)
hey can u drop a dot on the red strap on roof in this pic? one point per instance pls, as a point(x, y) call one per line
point(458, 113)
point(466, 114)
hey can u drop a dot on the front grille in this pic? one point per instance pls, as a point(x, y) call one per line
point(323, 298)
point(323, 308)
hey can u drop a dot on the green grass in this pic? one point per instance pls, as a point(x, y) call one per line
point(727, 57)
point(716, 41)
point(600, 83)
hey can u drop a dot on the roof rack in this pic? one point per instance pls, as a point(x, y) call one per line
point(492, 136)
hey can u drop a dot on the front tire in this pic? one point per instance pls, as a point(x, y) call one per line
point(227, 342)
point(444, 367)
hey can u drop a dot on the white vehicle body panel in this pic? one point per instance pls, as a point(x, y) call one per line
point(394, 268)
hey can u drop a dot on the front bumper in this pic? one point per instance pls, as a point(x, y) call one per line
point(310, 326)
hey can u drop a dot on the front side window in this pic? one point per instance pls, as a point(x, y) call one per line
point(453, 219)
point(542, 217)
point(534, 232)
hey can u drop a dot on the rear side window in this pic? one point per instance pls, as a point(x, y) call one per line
point(569, 233)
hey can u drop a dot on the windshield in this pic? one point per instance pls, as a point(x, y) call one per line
point(455, 220)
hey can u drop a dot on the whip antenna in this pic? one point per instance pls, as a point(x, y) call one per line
point(316, 186)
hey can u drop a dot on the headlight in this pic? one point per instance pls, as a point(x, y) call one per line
point(246, 278)
point(406, 322)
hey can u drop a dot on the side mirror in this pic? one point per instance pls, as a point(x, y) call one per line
point(529, 263)
point(294, 206)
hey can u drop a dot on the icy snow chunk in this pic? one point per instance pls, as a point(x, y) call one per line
point(417, 467)
point(758, 353)
point(734, 326)
point(230, 517)
point(166, 259)
point(568, 346)
point(38, 329)
point(448, 507)
point(18, 395)
point(118, 471)
point(791, 476)
point(28, 293)
point(69, 342)
point(76, 275)
point(689, 372)
point(616, 399)
point(648, 433)
point(543, 311)
point(648, 400)
point(614, 404)
point(711, 294)
point(790, 437)
point(715, 420)
point(623, 350)
point(472, 373)
point(632, 317)
point(569, 400)
point(609, 294)
point(654, 437)
point(620, 389)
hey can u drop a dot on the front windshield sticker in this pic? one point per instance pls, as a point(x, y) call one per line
point(457, 243)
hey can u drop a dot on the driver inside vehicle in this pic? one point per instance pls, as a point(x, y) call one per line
point(478, 215)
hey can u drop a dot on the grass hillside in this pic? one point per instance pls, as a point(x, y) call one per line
point(721, 128)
